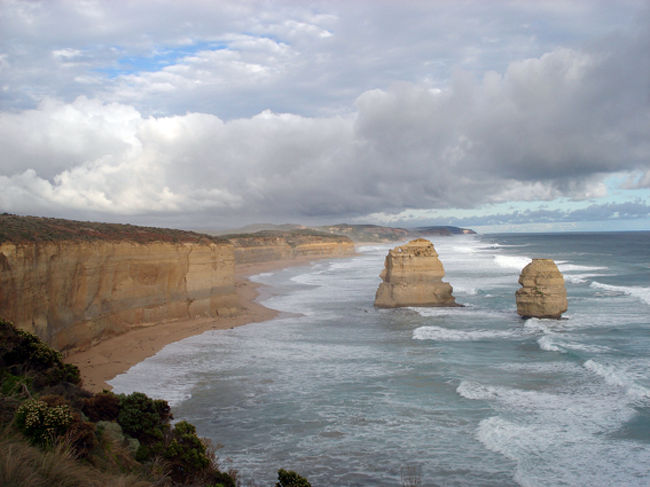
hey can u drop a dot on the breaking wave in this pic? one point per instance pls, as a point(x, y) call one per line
point(511, 261)
point(447, 335)
point(618, 378)
point(642, 293)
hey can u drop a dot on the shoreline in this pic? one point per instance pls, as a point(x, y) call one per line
point(115, 355)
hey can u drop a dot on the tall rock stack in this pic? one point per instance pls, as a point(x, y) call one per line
point(542, 294)
point(412, 276)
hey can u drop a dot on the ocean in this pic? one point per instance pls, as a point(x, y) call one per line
point(349, 395)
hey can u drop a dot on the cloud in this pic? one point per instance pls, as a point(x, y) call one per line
point(631, 210)
point(235, 59)
point(538, 131)
point(360, 122)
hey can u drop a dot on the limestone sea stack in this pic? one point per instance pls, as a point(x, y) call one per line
point(542, 294)
point(412, 276)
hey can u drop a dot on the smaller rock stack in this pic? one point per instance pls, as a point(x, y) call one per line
point(542, 294)
point(413, 277)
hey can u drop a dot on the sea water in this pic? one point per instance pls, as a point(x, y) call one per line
point(350, 395)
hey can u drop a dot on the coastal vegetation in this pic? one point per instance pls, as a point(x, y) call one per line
point(56, 433)
point(22, 229)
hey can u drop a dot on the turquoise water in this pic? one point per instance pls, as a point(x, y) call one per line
point(349, 395)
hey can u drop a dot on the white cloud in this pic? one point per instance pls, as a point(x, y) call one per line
point(534, 133)
point(321, 111)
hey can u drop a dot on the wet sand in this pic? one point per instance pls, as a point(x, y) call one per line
point(116, 355)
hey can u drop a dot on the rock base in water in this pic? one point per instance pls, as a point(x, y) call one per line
point(413, 277)
point(542, 294)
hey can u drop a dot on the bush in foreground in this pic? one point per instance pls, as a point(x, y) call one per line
point(56, 433)
point(291, 479)
point(41, 423)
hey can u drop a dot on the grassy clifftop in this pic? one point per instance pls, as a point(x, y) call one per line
point(22, 229)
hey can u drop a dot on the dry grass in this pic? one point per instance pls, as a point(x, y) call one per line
point(23, 465)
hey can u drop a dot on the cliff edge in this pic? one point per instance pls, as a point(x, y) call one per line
point(75, 283)
point(270, 245)
point(412, 276)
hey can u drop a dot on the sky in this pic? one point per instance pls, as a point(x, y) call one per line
point(497, 115)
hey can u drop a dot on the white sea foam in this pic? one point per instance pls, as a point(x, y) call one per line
point(261, 276)
point(476, 392)
point(548, 434)
point(618, 378)
point(580, 278)
point(511, 261)
point(544, 457)
point(546, 343)
point(437, 333)
point(552, 343)
point(583, 347)
point(541, 325)
point(465, 311)
point(162, 376)
point(464, 289)
point(309, 278)
point(564, 266)
point(642, 293)
point(464, 249)
point(511, 397)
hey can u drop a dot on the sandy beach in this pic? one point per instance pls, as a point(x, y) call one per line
point(116, 355)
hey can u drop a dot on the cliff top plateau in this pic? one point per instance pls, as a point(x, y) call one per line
point(357, 233)
point(22, 229)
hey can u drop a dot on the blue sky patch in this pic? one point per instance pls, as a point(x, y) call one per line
point(158, 59)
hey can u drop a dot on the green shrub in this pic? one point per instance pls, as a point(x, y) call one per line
point(24, 354)
point(291, 479)
point(41, 423)
point(11, 384)
point(185, 452)
point(41, 356)
point(143, 418)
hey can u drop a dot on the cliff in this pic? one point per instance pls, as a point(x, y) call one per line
point(74, 283)
point(267, 246)
point(542, 294)
point(412, 276)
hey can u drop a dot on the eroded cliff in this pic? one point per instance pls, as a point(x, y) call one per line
point(267, 246)
point(72, 293)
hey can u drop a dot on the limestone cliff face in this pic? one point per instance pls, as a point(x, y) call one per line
point(270, 246)
point(73, 293)
point(412, 276)
point(542, 294)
